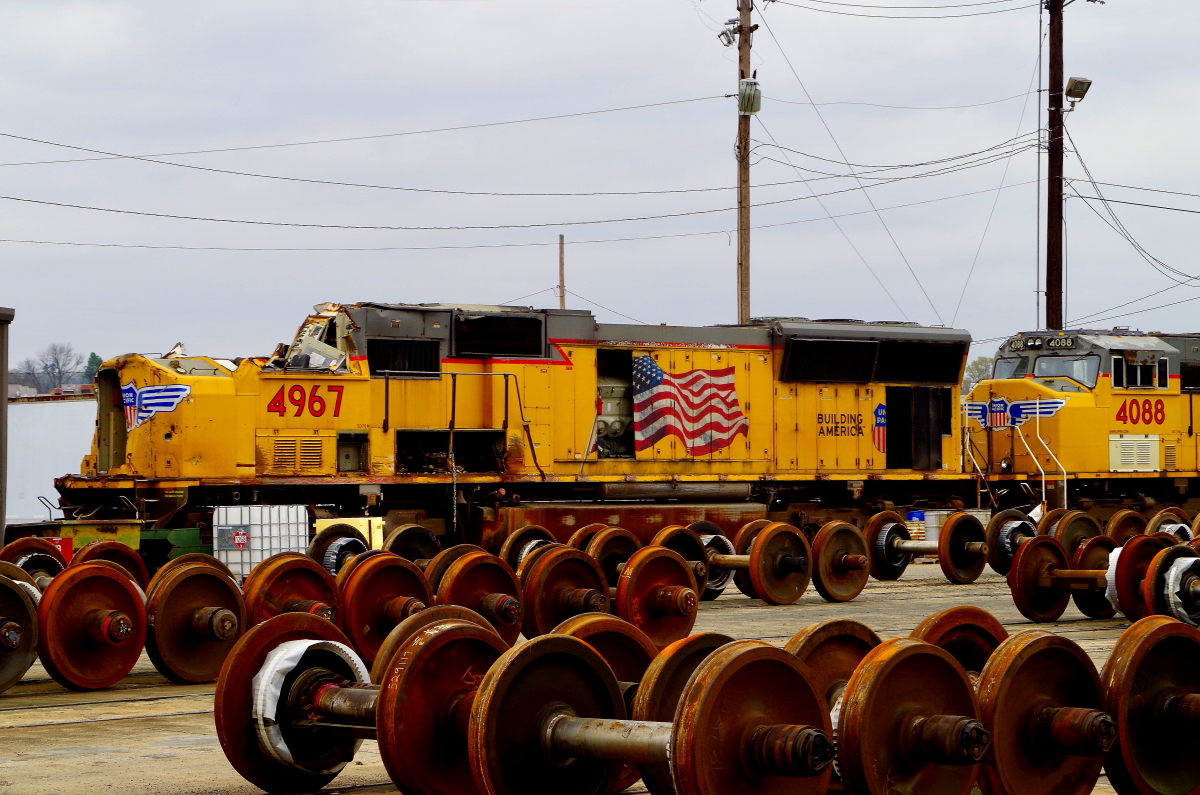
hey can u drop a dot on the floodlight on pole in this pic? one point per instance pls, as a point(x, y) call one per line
point(1077, 88)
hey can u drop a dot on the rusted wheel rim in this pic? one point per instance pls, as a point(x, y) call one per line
point(657, 594)
point(832, 650)
point(626, 649)
point(350, 565)
point(233, 705)
point(23, 547)
point(14, 572)
point(886, 563)
point(1170, 538)
point(1074, 528)
point(959, 565)
point(897, 680)
point(1156, 586)
point(1129, 572)
point(185, 560)
point(260, 569)
point(552, 578)
point(19, 635)
point(1031, 672)
point(835, 581)
point(1035, 557)
point(1093, 555)
point(687, 543)
point(423, 749)
point(736, 689)
point(1174, 521)
point(177, 650)
point(1123, 525)
point(611, 547)
point(1049, 520)
point(1155, 659)
point(742, 543)
point(412, 542)
point(479, 581)
point(410, 626)
point(510, 551)
point(1000, 531)
point(438, 567)
point(661, 687)
point(73, 600)
point(773, 582)
point(336, 544)
point(581, 537)
point(282, 579)
point(530, 556)
point(124, 556)
point(971, 634)
point(510, 707)
point(367, 600)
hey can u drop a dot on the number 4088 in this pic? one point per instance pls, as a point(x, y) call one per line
point(1143, 411)
point(301, 399)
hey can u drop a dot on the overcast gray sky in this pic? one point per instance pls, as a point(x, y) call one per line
point(142, 78)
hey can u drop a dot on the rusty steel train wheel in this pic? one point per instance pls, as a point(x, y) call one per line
point(1171, 586)
point(412, 542)
point(17, 574)
point(353, 562)
point(514, 547)
point(842, 562)
point(1049, 520)
point(1174, 521)
point(960, 565)
point(34, 554)
point(662, 687)
point(687, 542)
point(336, 544)
point(234, 704)
point(195, 614)
point(909, 723)
point(1151, 688)
point(1040, 699)
point(781, 564)
point(626, 649)
point(409, 627)
point(291, 583)
point(880, 531)
point(738, 722)
point(1094, 555)
point(533, 552)
point(1003, 533)
point(121, 554)
point(1128, 571)
point(91, 627)
point(184, 560)
point(1034, 561)
point(18, 631)
point(583, 536)
point(562, 583)
point(743, 542)
point(611, 547)
point(378, 594)
point(971, 634)
point(485, 583)
point(440, 564)
point(1123, 525)
point(1073, 528)
point(657, 594)
point(424, 707)
point(718, 579)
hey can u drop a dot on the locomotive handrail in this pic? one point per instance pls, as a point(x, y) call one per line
point(1037, 429)
point(1036, 463)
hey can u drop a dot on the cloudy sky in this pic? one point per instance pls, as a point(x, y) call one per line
point(156, 79)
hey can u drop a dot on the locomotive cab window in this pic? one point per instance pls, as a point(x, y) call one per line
point(1081, 369)
point(498, 335)
point(1011, 367)
point(1149, 375)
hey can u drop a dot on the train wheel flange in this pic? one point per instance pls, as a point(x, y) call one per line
point(353, 562)
point(1049, 520)
point(440, 564)
point(184, 560)
point(291, 583)
point(195, 615)
point(379, 593)
point(123, 555)
point(1174, 521)
point(971, 634)
point(530, 555)
point(842, 565)
point(657, 594)
point(485, 583)
point(956, 539)
point(583, 536)
point(611, 547)
point(406, 629)
point(1094, 554)
point(743, 542)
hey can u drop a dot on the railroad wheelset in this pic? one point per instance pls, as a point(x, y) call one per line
point(1123, 525)
point(481, 582)
point(195, 613)
point(289, 582)
point(18, 629)
point(1005, 532)
point(379, 591)
point(335, 545)
point(412, 542)
point(961, 547)
point(1173, 521)
point(37, 557)
point(773, 561)
point(466, 714)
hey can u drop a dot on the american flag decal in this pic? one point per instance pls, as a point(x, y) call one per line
point(998, 413)
point(142, 404)
point(699, 406)
point(879, 432)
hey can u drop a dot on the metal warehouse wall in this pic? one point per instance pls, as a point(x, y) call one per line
point(47, 438)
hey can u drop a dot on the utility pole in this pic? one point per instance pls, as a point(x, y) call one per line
point(1054, 173)
point(562, 273)
point(745, 35)
point(6, 317)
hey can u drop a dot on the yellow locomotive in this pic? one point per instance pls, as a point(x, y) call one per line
point(1097, 419)
point(477, 419)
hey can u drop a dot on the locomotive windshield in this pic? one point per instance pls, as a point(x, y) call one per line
point(1082, 369)
point(1011, 367)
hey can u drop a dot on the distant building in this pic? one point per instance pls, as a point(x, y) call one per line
point(48, 436)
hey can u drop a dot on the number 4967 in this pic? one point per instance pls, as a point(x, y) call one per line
point(301, 399)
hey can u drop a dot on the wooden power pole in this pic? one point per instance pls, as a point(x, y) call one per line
point(745, 35)
point(1054, 172)
point(562, 273)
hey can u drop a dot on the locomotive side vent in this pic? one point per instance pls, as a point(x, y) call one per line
point(310, 453)
point(1133, 452)
point(284, 454)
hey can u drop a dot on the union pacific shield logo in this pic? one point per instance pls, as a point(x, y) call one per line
point(879, 432)
point(998, 413)
point(142, 404)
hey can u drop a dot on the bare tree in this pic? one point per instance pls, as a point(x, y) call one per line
point(978, 370)
point(56, 365)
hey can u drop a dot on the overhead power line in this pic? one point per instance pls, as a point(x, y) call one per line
point(915, 8)
point(906, 16)
point(898, 107)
